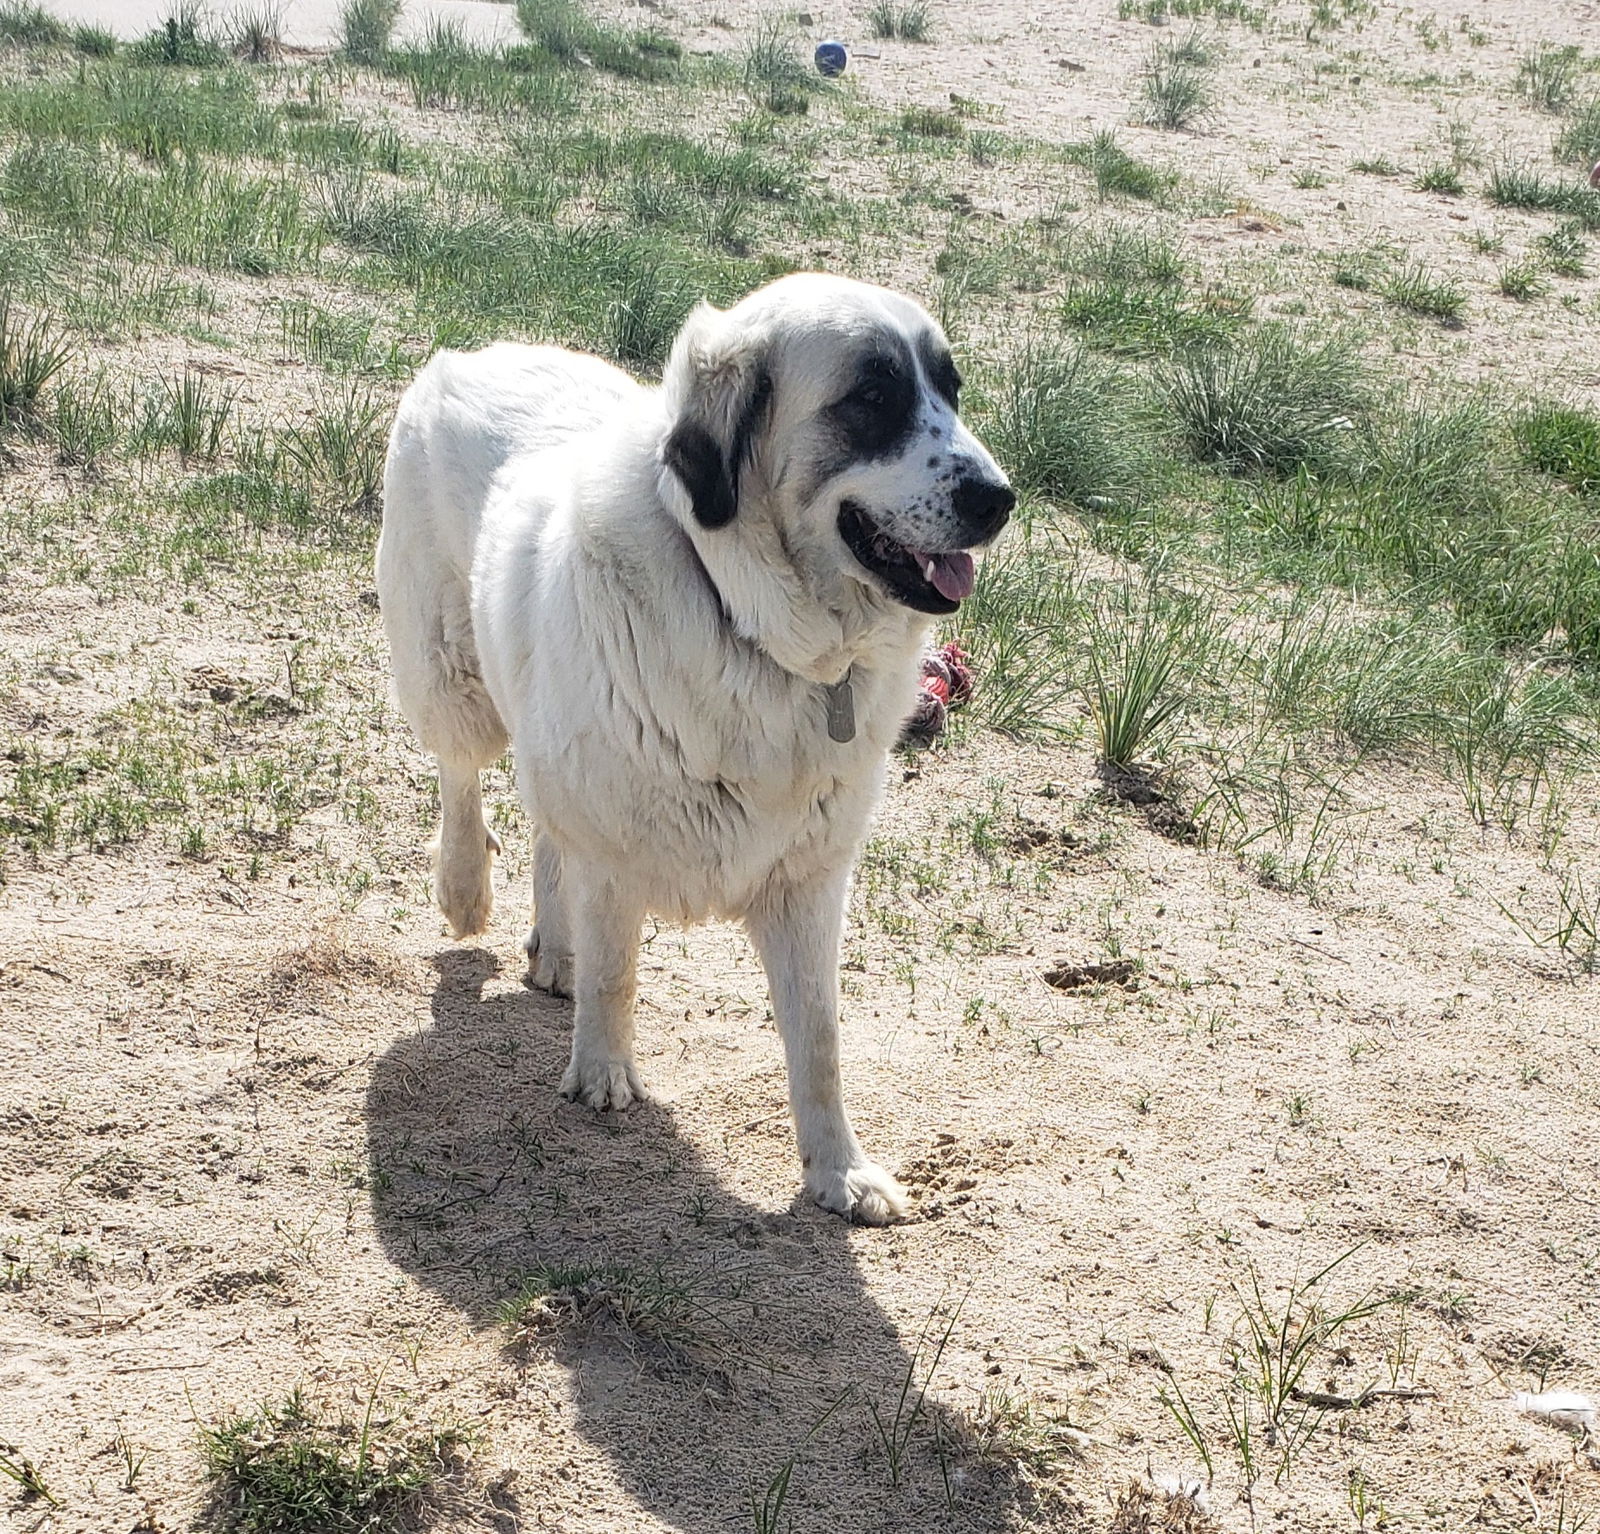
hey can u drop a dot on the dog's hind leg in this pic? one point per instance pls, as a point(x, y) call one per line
point(605, 931)
point(463, 881)
point(549, 939)
point(796, 931)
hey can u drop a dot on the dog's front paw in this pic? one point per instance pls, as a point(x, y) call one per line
point(603, 1083)
point(862, 1192)
point(549, 969)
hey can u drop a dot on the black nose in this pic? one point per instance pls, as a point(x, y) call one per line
point(984, 506)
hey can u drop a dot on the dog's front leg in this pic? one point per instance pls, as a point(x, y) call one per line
point(796, 931)
point(605, 942)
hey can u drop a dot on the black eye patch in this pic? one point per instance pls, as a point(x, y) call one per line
point(879, 411)
point(941, 369)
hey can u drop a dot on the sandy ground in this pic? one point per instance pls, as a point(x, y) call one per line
point(264, 1132)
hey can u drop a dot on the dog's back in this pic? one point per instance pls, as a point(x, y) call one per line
point(464, 418)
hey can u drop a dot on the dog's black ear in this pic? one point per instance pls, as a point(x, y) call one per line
point(718, 394)
point(697, 458)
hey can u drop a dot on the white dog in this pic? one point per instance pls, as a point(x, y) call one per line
point(696, 613)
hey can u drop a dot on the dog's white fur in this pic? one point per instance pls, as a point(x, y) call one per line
point(543, 575)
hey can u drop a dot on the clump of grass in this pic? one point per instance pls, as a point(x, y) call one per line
point(931, 122)
point(85, 422)
point(1116, 173)
point(1579, 140)
point(1420, 291)
point(776, 77)
point(663, 1308)
point(566, 31)
point(1445, 179)
point(26, 25)
point(1379, 165)
point(1060, 421)
point(287, 1469)
point(340, 453)
point(258, 33)
point(1135, 319)
point(1308, 179)
point(179, 40)
point(1520, 186)
point(1174, 86)
point(1133, 665)
point(888, 21)
point(1547, 77)
point(1523, 281)
point(366, 28)
point(30, 356)
point(1565, 250)
point(1561, 441)
point(1267, 404)
point(94, 42)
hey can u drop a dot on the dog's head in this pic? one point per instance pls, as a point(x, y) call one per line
point(828, 409)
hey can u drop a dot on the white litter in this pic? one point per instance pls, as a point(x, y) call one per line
point(1565, 1408)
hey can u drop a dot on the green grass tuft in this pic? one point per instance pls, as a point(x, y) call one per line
point(31, 355)
point(1174, 86)
point(1547, 77)
point(1578, 143)
point(26, 25)
point(366, 28)
point(1065, 426)
point(1420, 291)
point(1562, 441)
point(1519, 186)
point(286, 1469)
point(179, 40)
point(907, 22)
point(1442, 178)
point(1266, 404)
point(1116, 172)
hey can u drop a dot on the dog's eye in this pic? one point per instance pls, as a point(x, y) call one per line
point(869, 396)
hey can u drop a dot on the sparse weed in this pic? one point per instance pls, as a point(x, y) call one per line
point(896, 1422)
point(94, 42)
point(1576, 929)
point(340, 454)
point(1547, 77)
point(1578, 143)
point(179, 40)
point(931, 122)
point(1562, 441)
point(1135, 651)
point(16, 1466)
point(1065, 426)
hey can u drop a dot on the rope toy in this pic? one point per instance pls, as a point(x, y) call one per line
point(946, 682)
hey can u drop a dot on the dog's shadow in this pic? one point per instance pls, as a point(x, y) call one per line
point(709, 1343)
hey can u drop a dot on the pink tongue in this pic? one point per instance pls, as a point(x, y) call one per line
point(952, 574)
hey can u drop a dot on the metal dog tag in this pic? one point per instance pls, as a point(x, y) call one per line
point(841, 711)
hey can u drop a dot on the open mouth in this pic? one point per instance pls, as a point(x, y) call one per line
point(929, 582)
